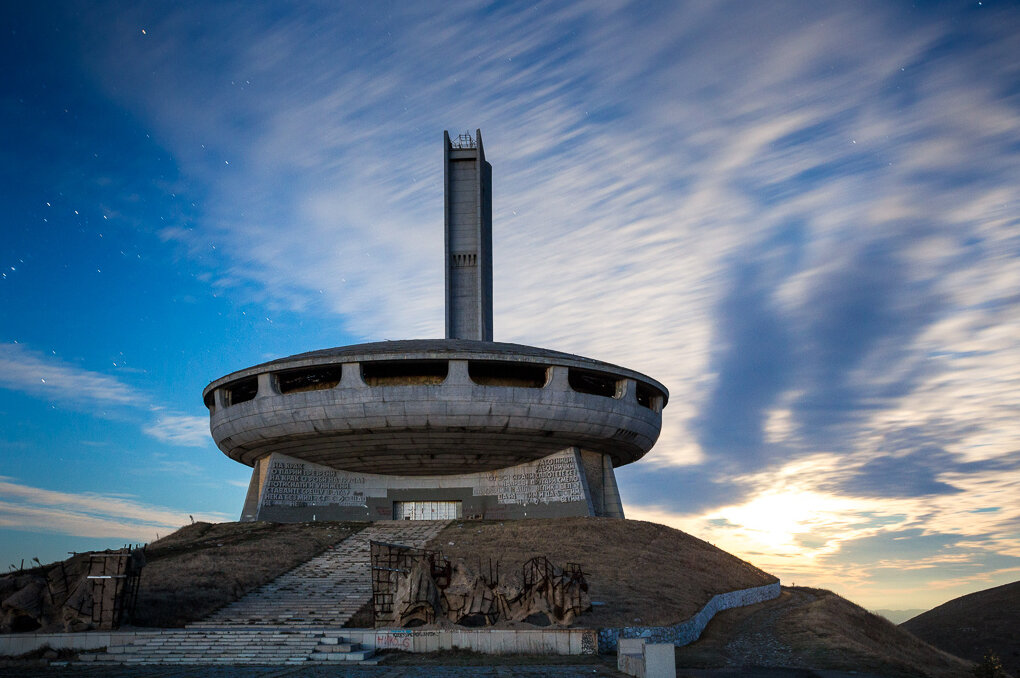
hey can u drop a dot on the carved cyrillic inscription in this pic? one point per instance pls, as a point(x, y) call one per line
point(553, 479)
point(294, 483)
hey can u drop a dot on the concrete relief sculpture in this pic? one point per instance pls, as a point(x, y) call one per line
point(412, 587)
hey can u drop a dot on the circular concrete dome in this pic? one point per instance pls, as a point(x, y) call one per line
point(433, 407)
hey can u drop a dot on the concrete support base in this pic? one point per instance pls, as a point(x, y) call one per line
point(636, 657)
point(571, 482)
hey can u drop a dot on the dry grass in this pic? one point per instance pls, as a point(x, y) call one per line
point(820, 631)
point(830, 632)
point(645, 573)
point(202, 567)
point(971, 625)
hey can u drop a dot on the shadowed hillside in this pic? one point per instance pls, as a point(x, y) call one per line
point(817, 629)
point(971, 625)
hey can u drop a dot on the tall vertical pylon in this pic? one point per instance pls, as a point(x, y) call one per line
point(468, 238)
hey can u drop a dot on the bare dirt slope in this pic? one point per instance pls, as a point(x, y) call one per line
point(815, 629)
point(644, 573)
point(971, 625)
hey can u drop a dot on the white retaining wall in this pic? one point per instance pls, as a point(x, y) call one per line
point(688, 631)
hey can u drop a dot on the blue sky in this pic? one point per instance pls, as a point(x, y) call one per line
point(801, 217)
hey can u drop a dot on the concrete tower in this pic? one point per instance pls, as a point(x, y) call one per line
point(467, 179)
point(438, 429)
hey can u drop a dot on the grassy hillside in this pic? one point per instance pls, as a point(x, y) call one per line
point(202, 567)
point(817, 629)
point(187, 575)
point(971, 625)
point(832, 632)
point(644, 573)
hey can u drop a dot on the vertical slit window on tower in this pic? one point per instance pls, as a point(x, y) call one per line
point(493, 373)
point(210, 399)
point(404, 372)
point(593, 383)
point(317, 378)
point(242, 390)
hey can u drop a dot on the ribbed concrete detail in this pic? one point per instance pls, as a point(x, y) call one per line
point(328, 589)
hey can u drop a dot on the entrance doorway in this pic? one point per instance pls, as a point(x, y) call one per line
point(426, 510)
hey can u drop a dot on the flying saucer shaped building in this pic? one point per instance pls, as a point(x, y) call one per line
point(437, 428)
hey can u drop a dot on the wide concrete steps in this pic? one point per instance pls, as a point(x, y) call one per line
point(236, 646)
point(327, 590)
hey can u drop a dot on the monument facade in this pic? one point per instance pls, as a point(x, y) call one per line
point(438, 428)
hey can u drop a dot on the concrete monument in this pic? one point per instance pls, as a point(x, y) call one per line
point(437, 428)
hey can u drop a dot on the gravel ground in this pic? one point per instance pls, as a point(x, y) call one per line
point(755, 642)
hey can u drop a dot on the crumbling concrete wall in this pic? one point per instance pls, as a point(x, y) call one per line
point(84, 592)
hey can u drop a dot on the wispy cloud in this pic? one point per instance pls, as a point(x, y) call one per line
point(801, 523)
point(801, 218)
point(801, 192)
point(88, 514)
point(180, 429)
point(48, 377)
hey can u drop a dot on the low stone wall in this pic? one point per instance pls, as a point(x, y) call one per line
point(688, 631)
point(14, 644)
point(486, 641)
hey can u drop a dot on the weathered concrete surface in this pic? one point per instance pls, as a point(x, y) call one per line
point(570, 482)
point(635, 657)
point(442, 427)
point(468, 235)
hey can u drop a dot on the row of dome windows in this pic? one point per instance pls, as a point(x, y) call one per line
point(426, 372)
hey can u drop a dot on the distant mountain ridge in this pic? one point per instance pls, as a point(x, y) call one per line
point(898, 616)
point(971, 625)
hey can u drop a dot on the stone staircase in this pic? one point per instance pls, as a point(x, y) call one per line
point(328, 589)
point(293, 619)
point(235, 646)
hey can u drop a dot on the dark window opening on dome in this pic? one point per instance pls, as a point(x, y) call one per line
point(241, 390)
point(594, 383)
point(210, 400)
point(646, 396)
point(404, 372)
point(485, 373)
point(318, 378)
